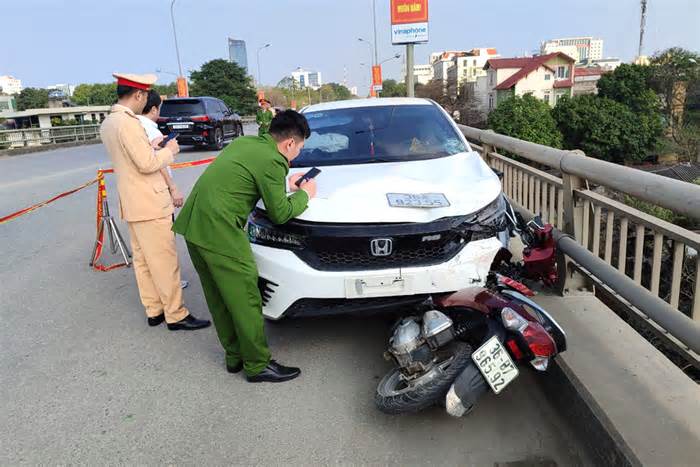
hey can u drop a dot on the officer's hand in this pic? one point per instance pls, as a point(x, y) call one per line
point(309, 187)
point(293, 181)
point(178, 198)
point(156, 142)
point(173, 146)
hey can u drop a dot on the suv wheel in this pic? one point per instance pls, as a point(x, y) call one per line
point(218, 140)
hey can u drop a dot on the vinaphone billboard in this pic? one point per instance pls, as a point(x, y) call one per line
point(409, 21)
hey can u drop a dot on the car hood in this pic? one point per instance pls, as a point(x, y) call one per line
point(358, 193)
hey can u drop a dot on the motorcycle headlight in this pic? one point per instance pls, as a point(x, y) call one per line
point(263, 232)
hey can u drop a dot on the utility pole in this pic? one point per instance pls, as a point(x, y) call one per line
point(409, 70)
point(258, 59)
point(177, 49)
point(374, 19)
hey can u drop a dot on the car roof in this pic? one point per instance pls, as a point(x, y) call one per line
point(369, 102)
point(198, 98)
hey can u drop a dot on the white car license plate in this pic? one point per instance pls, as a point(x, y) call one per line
point(417, 200)
point(382, 286)
point(180, 126)
point(495, 364)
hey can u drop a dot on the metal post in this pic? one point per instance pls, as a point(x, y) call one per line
point(374, 19)
point(177, 49)
point(573, 226)
point(409, 70)
point(258, 59)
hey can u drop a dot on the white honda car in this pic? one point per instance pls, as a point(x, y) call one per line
point(405, 208)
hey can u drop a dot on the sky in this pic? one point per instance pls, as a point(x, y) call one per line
point(46, 42)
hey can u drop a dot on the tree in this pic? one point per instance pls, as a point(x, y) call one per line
point(390, 88)
point(169, 89)
point(335, 92)
point(526, 118)
point(629, 85)
point(675, 76)
point(95, 94)
point(605, 129)
point(32, 98)
point(227, 81)
point(292, 91)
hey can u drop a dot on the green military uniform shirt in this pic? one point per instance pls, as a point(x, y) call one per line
point(217, 209)
point(263, 118)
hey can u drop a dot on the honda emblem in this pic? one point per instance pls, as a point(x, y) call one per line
point(381, 246)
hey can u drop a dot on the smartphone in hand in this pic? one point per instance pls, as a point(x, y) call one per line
point(308, 176)
point(168, 138)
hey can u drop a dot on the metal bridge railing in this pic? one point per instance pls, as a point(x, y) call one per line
point(659, 257)
point(10, 139)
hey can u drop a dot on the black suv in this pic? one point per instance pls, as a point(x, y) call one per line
point(202, 121)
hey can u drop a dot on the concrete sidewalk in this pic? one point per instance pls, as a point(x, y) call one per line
point(640, 409)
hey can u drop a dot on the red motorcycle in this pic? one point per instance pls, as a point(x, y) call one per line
point(461, 345)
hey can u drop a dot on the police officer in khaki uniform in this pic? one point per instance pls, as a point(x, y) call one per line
point(146, 205)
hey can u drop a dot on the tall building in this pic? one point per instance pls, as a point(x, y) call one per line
point(468, 67)
point(237, 53)
point(586, 47)
point(305, 78)
point(10, 85)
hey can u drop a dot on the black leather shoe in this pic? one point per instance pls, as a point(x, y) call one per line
point(234, 369)
point(156, 320)
point(189, 323)
point(275, 373)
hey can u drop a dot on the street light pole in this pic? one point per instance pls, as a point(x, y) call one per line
point(374, 19)
point(177, 49)
point(259, 50)
point(390, 58)
point(372, 62)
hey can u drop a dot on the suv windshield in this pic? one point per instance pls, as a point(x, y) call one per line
point(182, 108)
point(389, 133)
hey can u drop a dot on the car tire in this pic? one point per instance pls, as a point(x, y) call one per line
point(217, 140)
point(392, 399)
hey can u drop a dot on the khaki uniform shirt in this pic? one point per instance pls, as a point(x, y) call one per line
point(143, 194)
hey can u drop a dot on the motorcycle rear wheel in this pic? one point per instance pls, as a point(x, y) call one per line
point(394, 396)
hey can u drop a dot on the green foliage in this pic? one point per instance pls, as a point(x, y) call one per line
point(651, 209)
point(95, 94)
point(526, 118)
point(334, 92)
point(605, 129)
point(169, 89)
point(226, 81)
point(675, 76)
point(288, 90)
point(32, 98)
point(629, 85)
point(390, 88)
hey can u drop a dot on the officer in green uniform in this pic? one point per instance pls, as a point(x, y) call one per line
point(264, 117)
point(213, 223)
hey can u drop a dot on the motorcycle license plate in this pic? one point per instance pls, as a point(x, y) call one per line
point(495, 364)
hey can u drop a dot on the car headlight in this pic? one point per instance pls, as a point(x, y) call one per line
point(263, 232)
point(488, 221)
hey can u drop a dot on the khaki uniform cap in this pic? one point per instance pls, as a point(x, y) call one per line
point(135, 81)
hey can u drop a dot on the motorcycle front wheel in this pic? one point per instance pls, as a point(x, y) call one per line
point(394, 395)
